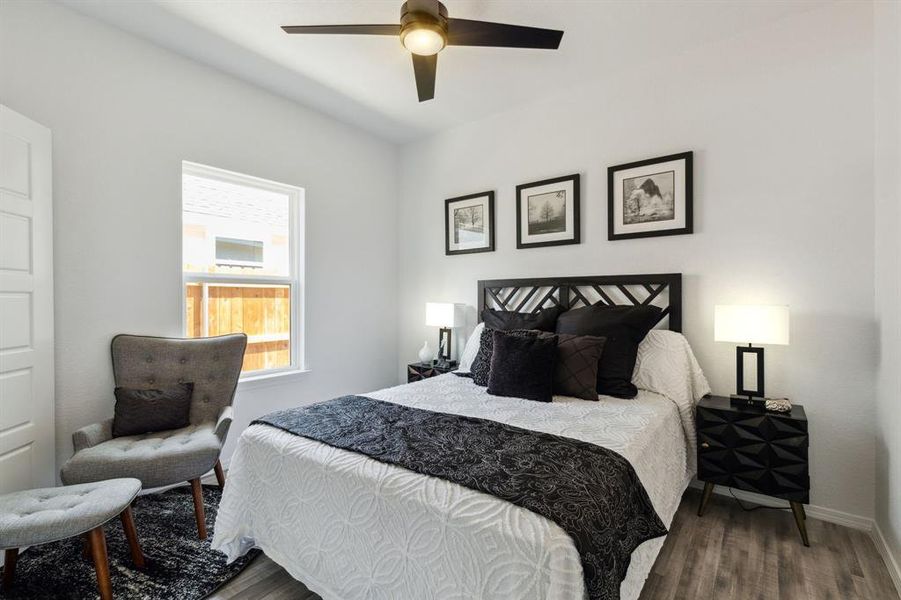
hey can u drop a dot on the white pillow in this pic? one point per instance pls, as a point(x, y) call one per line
point(470, 349)
point(666, 365)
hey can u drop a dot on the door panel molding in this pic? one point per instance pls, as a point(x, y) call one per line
point(27, 432)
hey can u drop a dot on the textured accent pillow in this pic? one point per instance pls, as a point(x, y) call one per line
point(624, 327)
point(578, 359)
point(470, 350)
point(523, 366)
point(481, 365)
point(147, 411)
point(543, 320)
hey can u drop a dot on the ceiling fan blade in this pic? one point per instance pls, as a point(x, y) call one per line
point(345, 29)
point(463, 32)
point(425, 67)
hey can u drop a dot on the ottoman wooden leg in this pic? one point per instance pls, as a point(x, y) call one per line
point(86, 547)
point(9, 567)
point(220, 474)
point(101, 563)
point(199, 514)
point(131, 534)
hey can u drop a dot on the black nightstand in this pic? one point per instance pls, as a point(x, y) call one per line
point(418, 371)
point(755, 451)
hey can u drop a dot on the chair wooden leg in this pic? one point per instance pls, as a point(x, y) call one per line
point(197, 491)
point(220, 474)
point(9, 567)
point(131, 534)
point(101, 563)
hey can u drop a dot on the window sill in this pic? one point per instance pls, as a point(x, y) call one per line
point(263, 380)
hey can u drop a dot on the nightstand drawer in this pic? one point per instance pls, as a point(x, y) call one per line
point(420, 371)
point(757, 452)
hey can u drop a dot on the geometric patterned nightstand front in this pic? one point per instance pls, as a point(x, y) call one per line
point(761, 452)
point(420, 371)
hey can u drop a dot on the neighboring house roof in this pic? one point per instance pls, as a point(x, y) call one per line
point(228, 200)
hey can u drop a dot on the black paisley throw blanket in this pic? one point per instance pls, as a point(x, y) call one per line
point(591, 492)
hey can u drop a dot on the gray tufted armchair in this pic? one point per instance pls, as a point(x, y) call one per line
point(166, 457)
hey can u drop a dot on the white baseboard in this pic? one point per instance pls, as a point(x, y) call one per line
point(817, 512)
point(829, 515)
point(890, 562)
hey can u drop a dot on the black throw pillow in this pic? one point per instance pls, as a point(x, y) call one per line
point(578, 359)
point(523, 366)
point(481, 364)
point(147, 411)
point(543, 320)
point(624, 327)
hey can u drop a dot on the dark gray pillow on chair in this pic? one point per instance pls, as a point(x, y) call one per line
point(148, 411)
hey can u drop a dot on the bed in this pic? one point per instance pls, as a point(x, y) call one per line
point(349, 526)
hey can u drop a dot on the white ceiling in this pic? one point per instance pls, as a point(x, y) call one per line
point(368, 80)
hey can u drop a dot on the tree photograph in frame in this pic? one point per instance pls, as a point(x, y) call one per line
point(547, 212)
point(469, 224)
point(650, 197)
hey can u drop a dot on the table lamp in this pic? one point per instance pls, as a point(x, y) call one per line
point(754, 324)
point(444, 316)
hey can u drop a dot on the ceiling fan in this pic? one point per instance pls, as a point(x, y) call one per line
point(425, 30)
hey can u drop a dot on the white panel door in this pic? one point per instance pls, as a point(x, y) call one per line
point(27, 448)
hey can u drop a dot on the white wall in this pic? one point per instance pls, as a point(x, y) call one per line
point(887, 19)
point(780, 120)
point(124, 114)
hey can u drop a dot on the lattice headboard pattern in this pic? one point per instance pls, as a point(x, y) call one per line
point(531, 295)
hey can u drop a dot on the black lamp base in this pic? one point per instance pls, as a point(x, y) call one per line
point(444, 346)
point(744, 398)
point(740, 390)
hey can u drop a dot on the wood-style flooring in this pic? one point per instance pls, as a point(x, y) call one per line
point(728, 554)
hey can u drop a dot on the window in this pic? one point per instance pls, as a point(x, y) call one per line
point(242, 260)
point(246, 253)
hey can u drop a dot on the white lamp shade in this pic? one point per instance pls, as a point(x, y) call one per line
point(755, 324)
point(441, 314)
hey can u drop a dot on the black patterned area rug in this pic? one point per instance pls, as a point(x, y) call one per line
point(179, 566)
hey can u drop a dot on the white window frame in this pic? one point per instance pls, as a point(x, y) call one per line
point(294, 279)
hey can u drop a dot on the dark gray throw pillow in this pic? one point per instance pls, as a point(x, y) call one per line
point(578, 359)
point(543, 320)
point(624, 327)
point(523, 366)
point(481, 364)
point(147, 411)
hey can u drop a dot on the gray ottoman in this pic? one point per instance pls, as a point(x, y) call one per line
point(34, 517)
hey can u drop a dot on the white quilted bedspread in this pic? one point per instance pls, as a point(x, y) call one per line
point(350, 527)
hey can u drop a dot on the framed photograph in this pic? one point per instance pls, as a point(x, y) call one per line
point(650, 197)
point(547, 212)
point(469, 224)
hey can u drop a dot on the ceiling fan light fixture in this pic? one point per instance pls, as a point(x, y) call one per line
point(425, 30)
point(423, 39)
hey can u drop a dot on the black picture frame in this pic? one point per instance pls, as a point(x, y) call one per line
point(576, 238)
point(688, 192)
point(489, 221)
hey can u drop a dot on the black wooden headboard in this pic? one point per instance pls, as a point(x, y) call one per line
point(531, 295)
